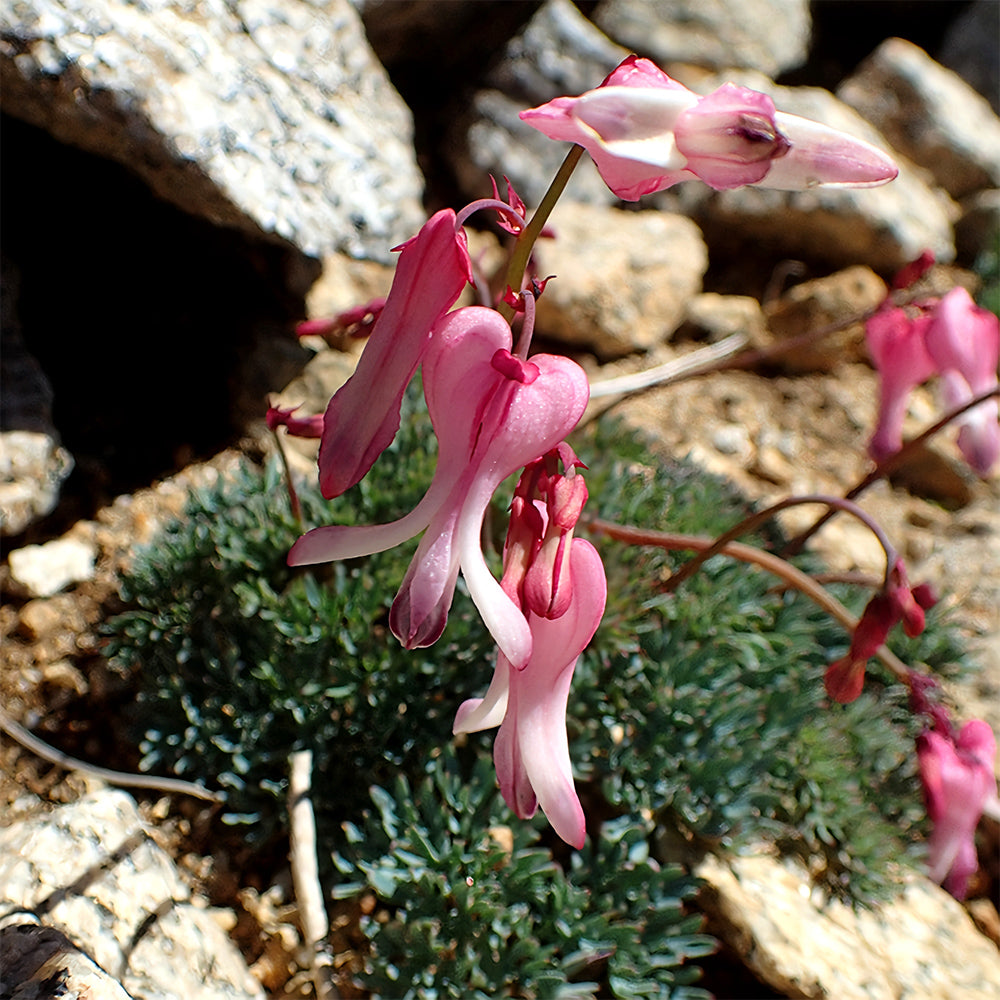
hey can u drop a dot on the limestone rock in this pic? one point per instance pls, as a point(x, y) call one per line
point(713, 317)
point(270, 117)
point(91, 872)
point(558, 53)
point(929, 114)
point(922, 944)
point(44, 570)
point(622, 279)
point(882, 227)
point(814, 305)
point(33, 467)
point(765, 35)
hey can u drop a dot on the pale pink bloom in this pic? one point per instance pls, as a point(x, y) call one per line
point(959, 785)
point(898, 350)
point(492, 413)
point(964, 342)
point(646, 132)
point(363, 416)
point(531, 750)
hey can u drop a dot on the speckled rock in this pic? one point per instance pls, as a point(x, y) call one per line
point(622, 279)
point(90, 871)
point(33, 467)
point(713, 33)
point(271, 117)
point(922, 944)
point(929, 114)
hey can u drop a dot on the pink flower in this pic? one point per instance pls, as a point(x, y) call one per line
point(898, 350)
point(950, 337)
point(531, 750)
point(646, 132)
point(492, 413)
point(363, 416)
point(959, 785)
point(964, 343)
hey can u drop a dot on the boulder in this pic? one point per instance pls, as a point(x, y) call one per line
point(92, 873)
point(929, 114)
point(622, 279)
point(270, 118)
point(714, 33)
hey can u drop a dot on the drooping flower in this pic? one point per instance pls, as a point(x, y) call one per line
point(952, 338)
point(959, 782)
point(964, 342)
point(646, 132)
point(896, 602)
point(492, 413)
point(363, 416)
point(531, 750)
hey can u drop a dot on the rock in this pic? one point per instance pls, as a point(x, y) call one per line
point(91, 872)
point(559, 52)
point(883, 227)
point(929, 114)
point(929, 474)
point(713, 317)
point(37, 963)
point(825, 302)
point(715, 33)
point(921, 944)
point(44, 570)
point(622, 279)
point(33, 467)
point(970, 48)
point(271, 118)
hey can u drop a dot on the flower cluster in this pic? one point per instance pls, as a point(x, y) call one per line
point(950, 337)
point(495, 409)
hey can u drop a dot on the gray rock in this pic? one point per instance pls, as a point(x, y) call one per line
point(33, 467)
point(44, 570)
point(929, 114)
point(883, 227)
point(90, 871)
point(559, 53)
point(713, 317)
point(271, 117)
point(765, 35)
point(623, 279)
point(970, 48)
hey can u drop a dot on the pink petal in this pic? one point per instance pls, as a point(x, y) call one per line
point(485, 713)
point(363, 416)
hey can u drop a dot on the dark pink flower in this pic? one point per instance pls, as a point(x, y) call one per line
point(492, 413)
point(531, 751)
point(305, 427)
point(896, 602)
point(646, 132)
point(959, 781)
point(363, 416)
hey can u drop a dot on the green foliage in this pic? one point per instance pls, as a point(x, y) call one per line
point(477, 908)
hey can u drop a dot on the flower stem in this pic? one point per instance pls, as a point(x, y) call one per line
point(887, 466)
point(781, 568)
point(526, 241)
point(748, 524)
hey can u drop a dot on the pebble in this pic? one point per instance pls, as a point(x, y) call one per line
point(44, 570)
